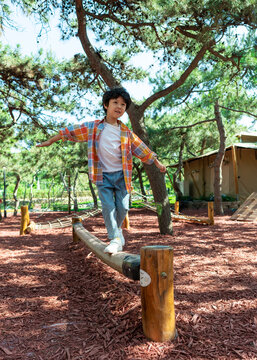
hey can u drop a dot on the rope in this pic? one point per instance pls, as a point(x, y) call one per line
point(154, 207)
point(66, 221)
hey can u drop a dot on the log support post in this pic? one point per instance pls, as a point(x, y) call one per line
point(210, 213)
point(75, 219)
point(157, 292)
point(25, 221)
point(125, 223)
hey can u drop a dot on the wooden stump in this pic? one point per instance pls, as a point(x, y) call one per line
point(24, 219)
point(157, 293)
point(75, 219)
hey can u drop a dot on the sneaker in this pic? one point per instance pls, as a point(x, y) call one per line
point(114, 246)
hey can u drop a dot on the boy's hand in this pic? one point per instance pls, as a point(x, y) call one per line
point(160, 166)
point(45, 143)
point(50, 141)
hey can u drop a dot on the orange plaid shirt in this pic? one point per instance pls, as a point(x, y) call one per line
point(131, 144)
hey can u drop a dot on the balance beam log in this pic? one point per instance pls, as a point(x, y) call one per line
point(157, 293)
point(125, 263)
point(193, 219)
point(155, 272)
point(30, 227)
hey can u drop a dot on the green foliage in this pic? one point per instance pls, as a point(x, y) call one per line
point(173, 30)
point(38, 91)
point(193, 102)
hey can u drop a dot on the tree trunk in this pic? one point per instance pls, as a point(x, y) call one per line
point(179, 168)
point(4, 194)
point(140, 178)
point(49, 194)
point(156, 178)
point(31, 189)
point(75, 200)
point(25, 193)
point(67, 188)
point(1, 209)
point(31, 192)
point(92, 192)
point(161, 199)
point(218, 208)
point(31, 195)
point(16, 201)
point(63, 188)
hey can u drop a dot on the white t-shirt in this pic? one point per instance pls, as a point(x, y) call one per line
point(109, 151)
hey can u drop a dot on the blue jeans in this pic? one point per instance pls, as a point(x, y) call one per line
point(115, 202)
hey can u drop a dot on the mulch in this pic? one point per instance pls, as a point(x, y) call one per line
point(59, 302)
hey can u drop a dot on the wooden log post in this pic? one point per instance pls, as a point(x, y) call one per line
point(75, 219)
point(211, 213)
point(157, 293)
point(176, 207)
point(125, 224)
point(24, 219)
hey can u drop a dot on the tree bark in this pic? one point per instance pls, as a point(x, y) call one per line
point(161, 199)
point(75, 199)
point(218, 208)
point(31, 190)
point(66, 186)
point(92, 192)
point(141, 184)
point(179, 168)
point(49, 193)
point(156, 178)
point(25, 193)
point(16, 201)
point(4, 194)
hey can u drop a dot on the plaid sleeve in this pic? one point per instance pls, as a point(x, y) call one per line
point(77, 133)
point(140, 150)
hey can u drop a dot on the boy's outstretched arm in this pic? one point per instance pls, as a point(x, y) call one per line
point(160, 165)
point(50, 141)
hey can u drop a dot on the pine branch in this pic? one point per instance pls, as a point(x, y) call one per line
point(181, 80)
point(189, 126)
point(242, 111)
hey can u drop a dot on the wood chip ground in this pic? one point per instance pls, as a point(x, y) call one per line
point(59, 302)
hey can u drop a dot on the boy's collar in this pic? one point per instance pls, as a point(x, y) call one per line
point(118, 121)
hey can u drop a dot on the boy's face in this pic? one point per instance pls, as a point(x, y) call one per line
point(116, 107)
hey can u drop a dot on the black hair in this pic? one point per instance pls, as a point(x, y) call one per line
point(114, 93)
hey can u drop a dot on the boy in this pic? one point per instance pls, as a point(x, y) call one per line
point(111, 145)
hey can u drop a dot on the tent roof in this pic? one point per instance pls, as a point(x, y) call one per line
point(240, 145)
point(247, 137)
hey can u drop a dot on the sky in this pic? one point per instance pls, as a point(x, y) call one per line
point(30, 42)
